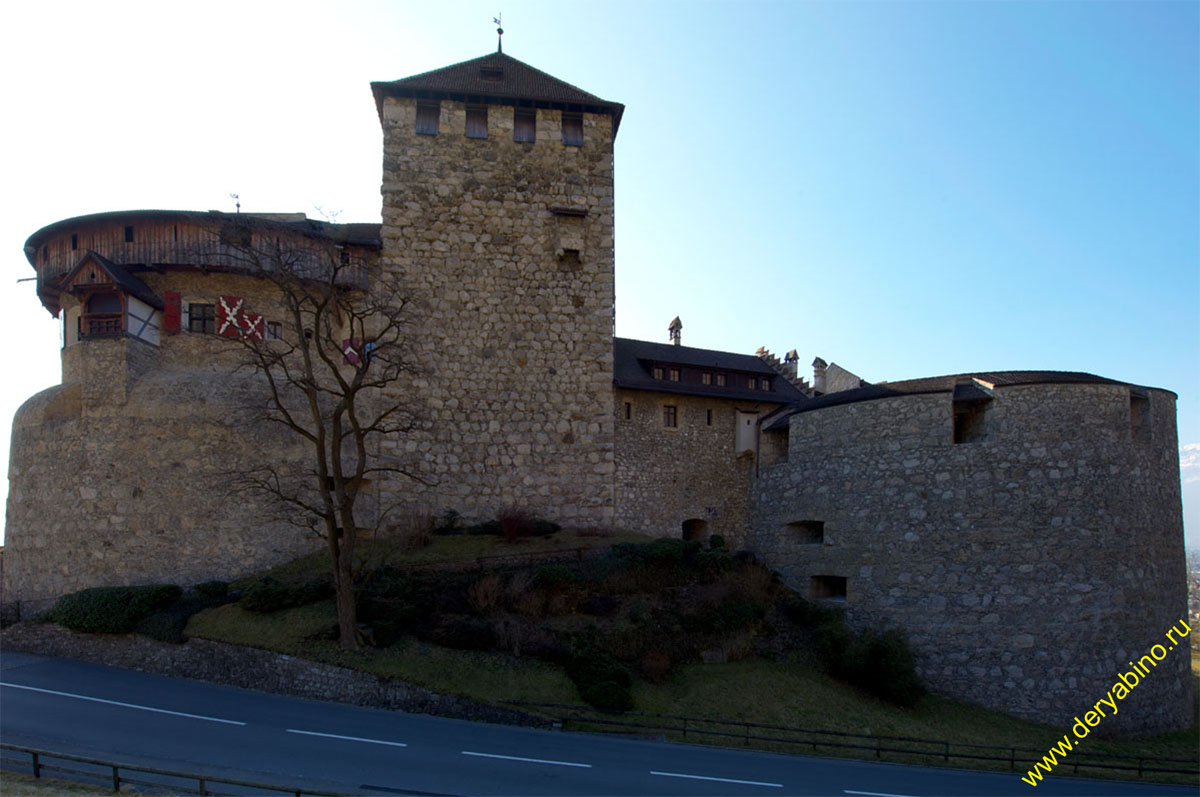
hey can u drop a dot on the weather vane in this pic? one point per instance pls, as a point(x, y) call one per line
point(499, 33)
point(237, 199)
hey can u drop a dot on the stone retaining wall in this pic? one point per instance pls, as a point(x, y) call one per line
point(250, 668)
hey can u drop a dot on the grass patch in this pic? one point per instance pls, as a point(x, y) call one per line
point(486, 676)
point(13, 784)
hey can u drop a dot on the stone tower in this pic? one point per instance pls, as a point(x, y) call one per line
point(498, 216)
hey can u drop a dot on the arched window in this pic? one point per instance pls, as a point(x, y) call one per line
point(102, 315)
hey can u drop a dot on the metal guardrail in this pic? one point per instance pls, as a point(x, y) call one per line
point(942, 749)
point(118, 774)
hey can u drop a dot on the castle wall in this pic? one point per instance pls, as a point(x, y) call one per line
point(666, 476)
point(513, 311)
point(1026, 570)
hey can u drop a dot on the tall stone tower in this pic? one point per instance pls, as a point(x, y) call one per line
point(498, 217)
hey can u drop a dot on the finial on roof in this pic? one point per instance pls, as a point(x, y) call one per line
point(499, 34)
point(676, 330)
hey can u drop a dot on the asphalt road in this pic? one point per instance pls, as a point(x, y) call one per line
point(148, 720)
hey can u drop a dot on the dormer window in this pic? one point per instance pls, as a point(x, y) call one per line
point(658, 372)
point(674, 374)
point(492, 74)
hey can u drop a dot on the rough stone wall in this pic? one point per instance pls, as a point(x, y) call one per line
point(667, 476)
point(120, 475)
point(511, 331)
point(1026, 570)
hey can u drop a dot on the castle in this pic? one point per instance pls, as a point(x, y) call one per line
point(1023, 528)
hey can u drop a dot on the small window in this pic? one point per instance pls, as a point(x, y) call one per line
point(492, 74)
point(274, 330)
point(708, 417)
point(628, 410)
point(764, 384)
point(129, 235)
point(706, 378)
point(806, 532)
point(751, 383)
point(671, 416)
point(693, 529)
point(74, 241)
point(344, 257)
point(970, 421)
point(658, 372)
point(427, 118)
point(1139, 417)
point(524, 124)
point(477, 121)
point(202, 318)
point(572, 129)
point(674, 374)
point(827, 588)
point(720, 380)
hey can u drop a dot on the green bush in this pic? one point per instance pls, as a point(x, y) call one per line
point(268, 595)
point(716, 542)
point(449, 522)
point(212, 590)
point(808, 613)
point(553, 577)
point(111, 610)
point(464, 633)
point(671, 552)
point(883, 665)
point(831, 640)
point(601, 681)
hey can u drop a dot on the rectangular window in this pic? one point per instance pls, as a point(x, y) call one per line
point(671, 416)
point(1139, 416)
point(274, 330)
point(476, 121)
point(202, 318)
point(524, 124)
point(427, 118)
point(806, 532)
point(752, 383)
point(572, 129)
point(628, 410)
point(827, 588)
point(708, 417)
point(764, 384)
point(674, 374)
point(706, 378)
point(344, 257)
point(74, 241)
point(658, 373)
point(128, 235)
point(720, 380)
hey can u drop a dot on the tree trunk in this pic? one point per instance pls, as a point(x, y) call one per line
point(348, 634)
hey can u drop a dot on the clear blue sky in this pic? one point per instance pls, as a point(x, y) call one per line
point(906, 189)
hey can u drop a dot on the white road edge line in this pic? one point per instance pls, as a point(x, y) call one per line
point(347, 738)
point(875, 793)
point(718, 780)
point(123, 705)
point(527, 760)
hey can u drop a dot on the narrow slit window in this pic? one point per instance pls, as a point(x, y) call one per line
point(74, 241)
point(628, 410)
point(572, 129)
point(1139, 417)
point(708, 417)
point(129, 235)
point(524, 124)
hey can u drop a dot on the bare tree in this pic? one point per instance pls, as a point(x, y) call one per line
point(326, 369)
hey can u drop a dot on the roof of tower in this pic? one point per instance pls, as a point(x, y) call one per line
point(500, 79)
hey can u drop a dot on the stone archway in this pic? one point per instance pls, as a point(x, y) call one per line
point(694, 528)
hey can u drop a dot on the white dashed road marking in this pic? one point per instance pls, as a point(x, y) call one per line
point(122, 705)
point(527, 760)
point(347, 738)
point(718, 780)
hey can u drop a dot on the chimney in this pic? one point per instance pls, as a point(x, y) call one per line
point(790, 366)
point(819, 367)
point(676, 331)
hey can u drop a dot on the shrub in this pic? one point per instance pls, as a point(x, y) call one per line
point(515, 522)
point(449, 522)
point(656, 666)
point(464, 633)
point(212, 590)
point(553, 577)
point(716, 542)
point(884, 666)
point(484, 594)
point(831, 640)
point(268, 595)
point(111, 610)
point(600, 605)
point(601, 681)
point(671, 552)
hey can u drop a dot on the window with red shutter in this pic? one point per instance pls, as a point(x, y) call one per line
point(171, 312)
